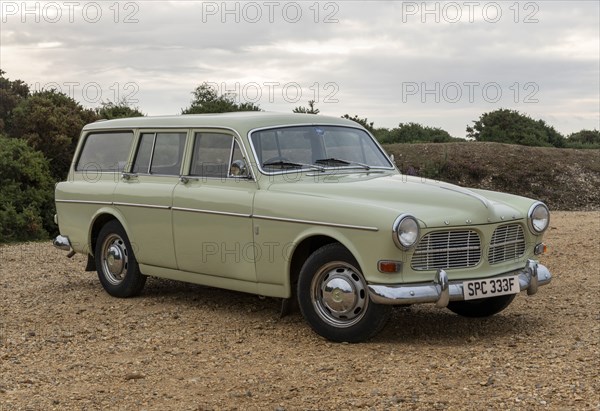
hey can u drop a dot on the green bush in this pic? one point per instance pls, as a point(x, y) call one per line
point(584, 139)
point(51, 122)
point(26, 193)
point(512, 127)
point(414, 133)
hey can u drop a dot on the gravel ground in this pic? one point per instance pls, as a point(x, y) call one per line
point(65, 344)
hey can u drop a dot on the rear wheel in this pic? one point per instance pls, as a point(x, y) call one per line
point(334, 298)
point(116, 264)
point(484, 307)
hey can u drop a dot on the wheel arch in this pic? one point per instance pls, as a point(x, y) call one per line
point(307, 245)
point(101, 218)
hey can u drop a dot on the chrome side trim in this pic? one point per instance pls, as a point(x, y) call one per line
point(196, 210)
point(85, 202)
point(322, 223)
point(160, 207)
point(440, 291)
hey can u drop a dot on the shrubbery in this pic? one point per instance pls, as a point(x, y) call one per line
point(584, 139)
point(38, 135)
point(414, 133)
point(26, 192)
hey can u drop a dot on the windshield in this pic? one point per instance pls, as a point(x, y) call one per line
point(316, 148)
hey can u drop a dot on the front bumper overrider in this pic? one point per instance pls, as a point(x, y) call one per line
point(441, 291)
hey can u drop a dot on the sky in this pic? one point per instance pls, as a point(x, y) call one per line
point(441, 64)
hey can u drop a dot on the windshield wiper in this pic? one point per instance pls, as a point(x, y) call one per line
point(290, 164)
point(329, 161)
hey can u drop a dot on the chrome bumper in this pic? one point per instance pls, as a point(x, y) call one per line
point(62, 243)
point(441, 291)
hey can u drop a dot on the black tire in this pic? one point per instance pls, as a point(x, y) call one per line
point(484, 307)
point(332, 313)
point(116, 264)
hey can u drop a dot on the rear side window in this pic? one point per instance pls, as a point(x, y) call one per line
point(105, 151)
point(160, 153)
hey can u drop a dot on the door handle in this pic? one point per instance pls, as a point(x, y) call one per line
point(184, 179)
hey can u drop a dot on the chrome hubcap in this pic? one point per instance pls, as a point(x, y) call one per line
point(114, 259)
point(339, 294)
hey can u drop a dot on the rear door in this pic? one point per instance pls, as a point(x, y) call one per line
point(144, 196)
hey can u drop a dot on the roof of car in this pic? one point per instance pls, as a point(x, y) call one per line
point(242, 122)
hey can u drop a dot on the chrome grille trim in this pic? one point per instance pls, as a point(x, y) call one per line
point(508, 243)
point(447, 250)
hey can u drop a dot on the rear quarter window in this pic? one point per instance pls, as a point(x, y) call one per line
point(107, 151)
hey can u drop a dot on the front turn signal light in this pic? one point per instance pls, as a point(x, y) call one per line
point(388, 266)
point(540, 249)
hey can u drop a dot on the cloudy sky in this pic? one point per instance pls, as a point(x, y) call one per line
point(441, 64)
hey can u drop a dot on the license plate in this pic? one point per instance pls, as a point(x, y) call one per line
point(491, 287)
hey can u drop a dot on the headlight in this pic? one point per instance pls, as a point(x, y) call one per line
point(539, 218)
point(406, 231)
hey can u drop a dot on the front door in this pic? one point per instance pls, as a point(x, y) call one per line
point(212, 210)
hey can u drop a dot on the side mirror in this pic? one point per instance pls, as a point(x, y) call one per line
point(238, 169)
point(391, 156)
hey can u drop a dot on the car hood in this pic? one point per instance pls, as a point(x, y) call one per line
point(434, 203)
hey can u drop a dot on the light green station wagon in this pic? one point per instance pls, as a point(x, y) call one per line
point(295, 206)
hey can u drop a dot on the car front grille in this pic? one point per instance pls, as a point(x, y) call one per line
point(508, 243)
point(447, 250)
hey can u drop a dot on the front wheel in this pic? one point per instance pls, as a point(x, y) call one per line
point(484, 307)
point(334, 299)
point(116, 264)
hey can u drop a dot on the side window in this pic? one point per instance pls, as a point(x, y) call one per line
point(212, 155)
point(106, 151)
point(160, 153)
point(142, 158)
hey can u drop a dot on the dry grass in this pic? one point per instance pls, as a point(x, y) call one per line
point(566, 179)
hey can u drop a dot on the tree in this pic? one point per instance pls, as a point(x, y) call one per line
point(362, 121)
point(416, 133)
point(51, 122)
point(584, 139)
point(26, 192)
point(512, 127)
point(11, 94)
point(310, 110)
point(122, 109)
point(207, 100)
